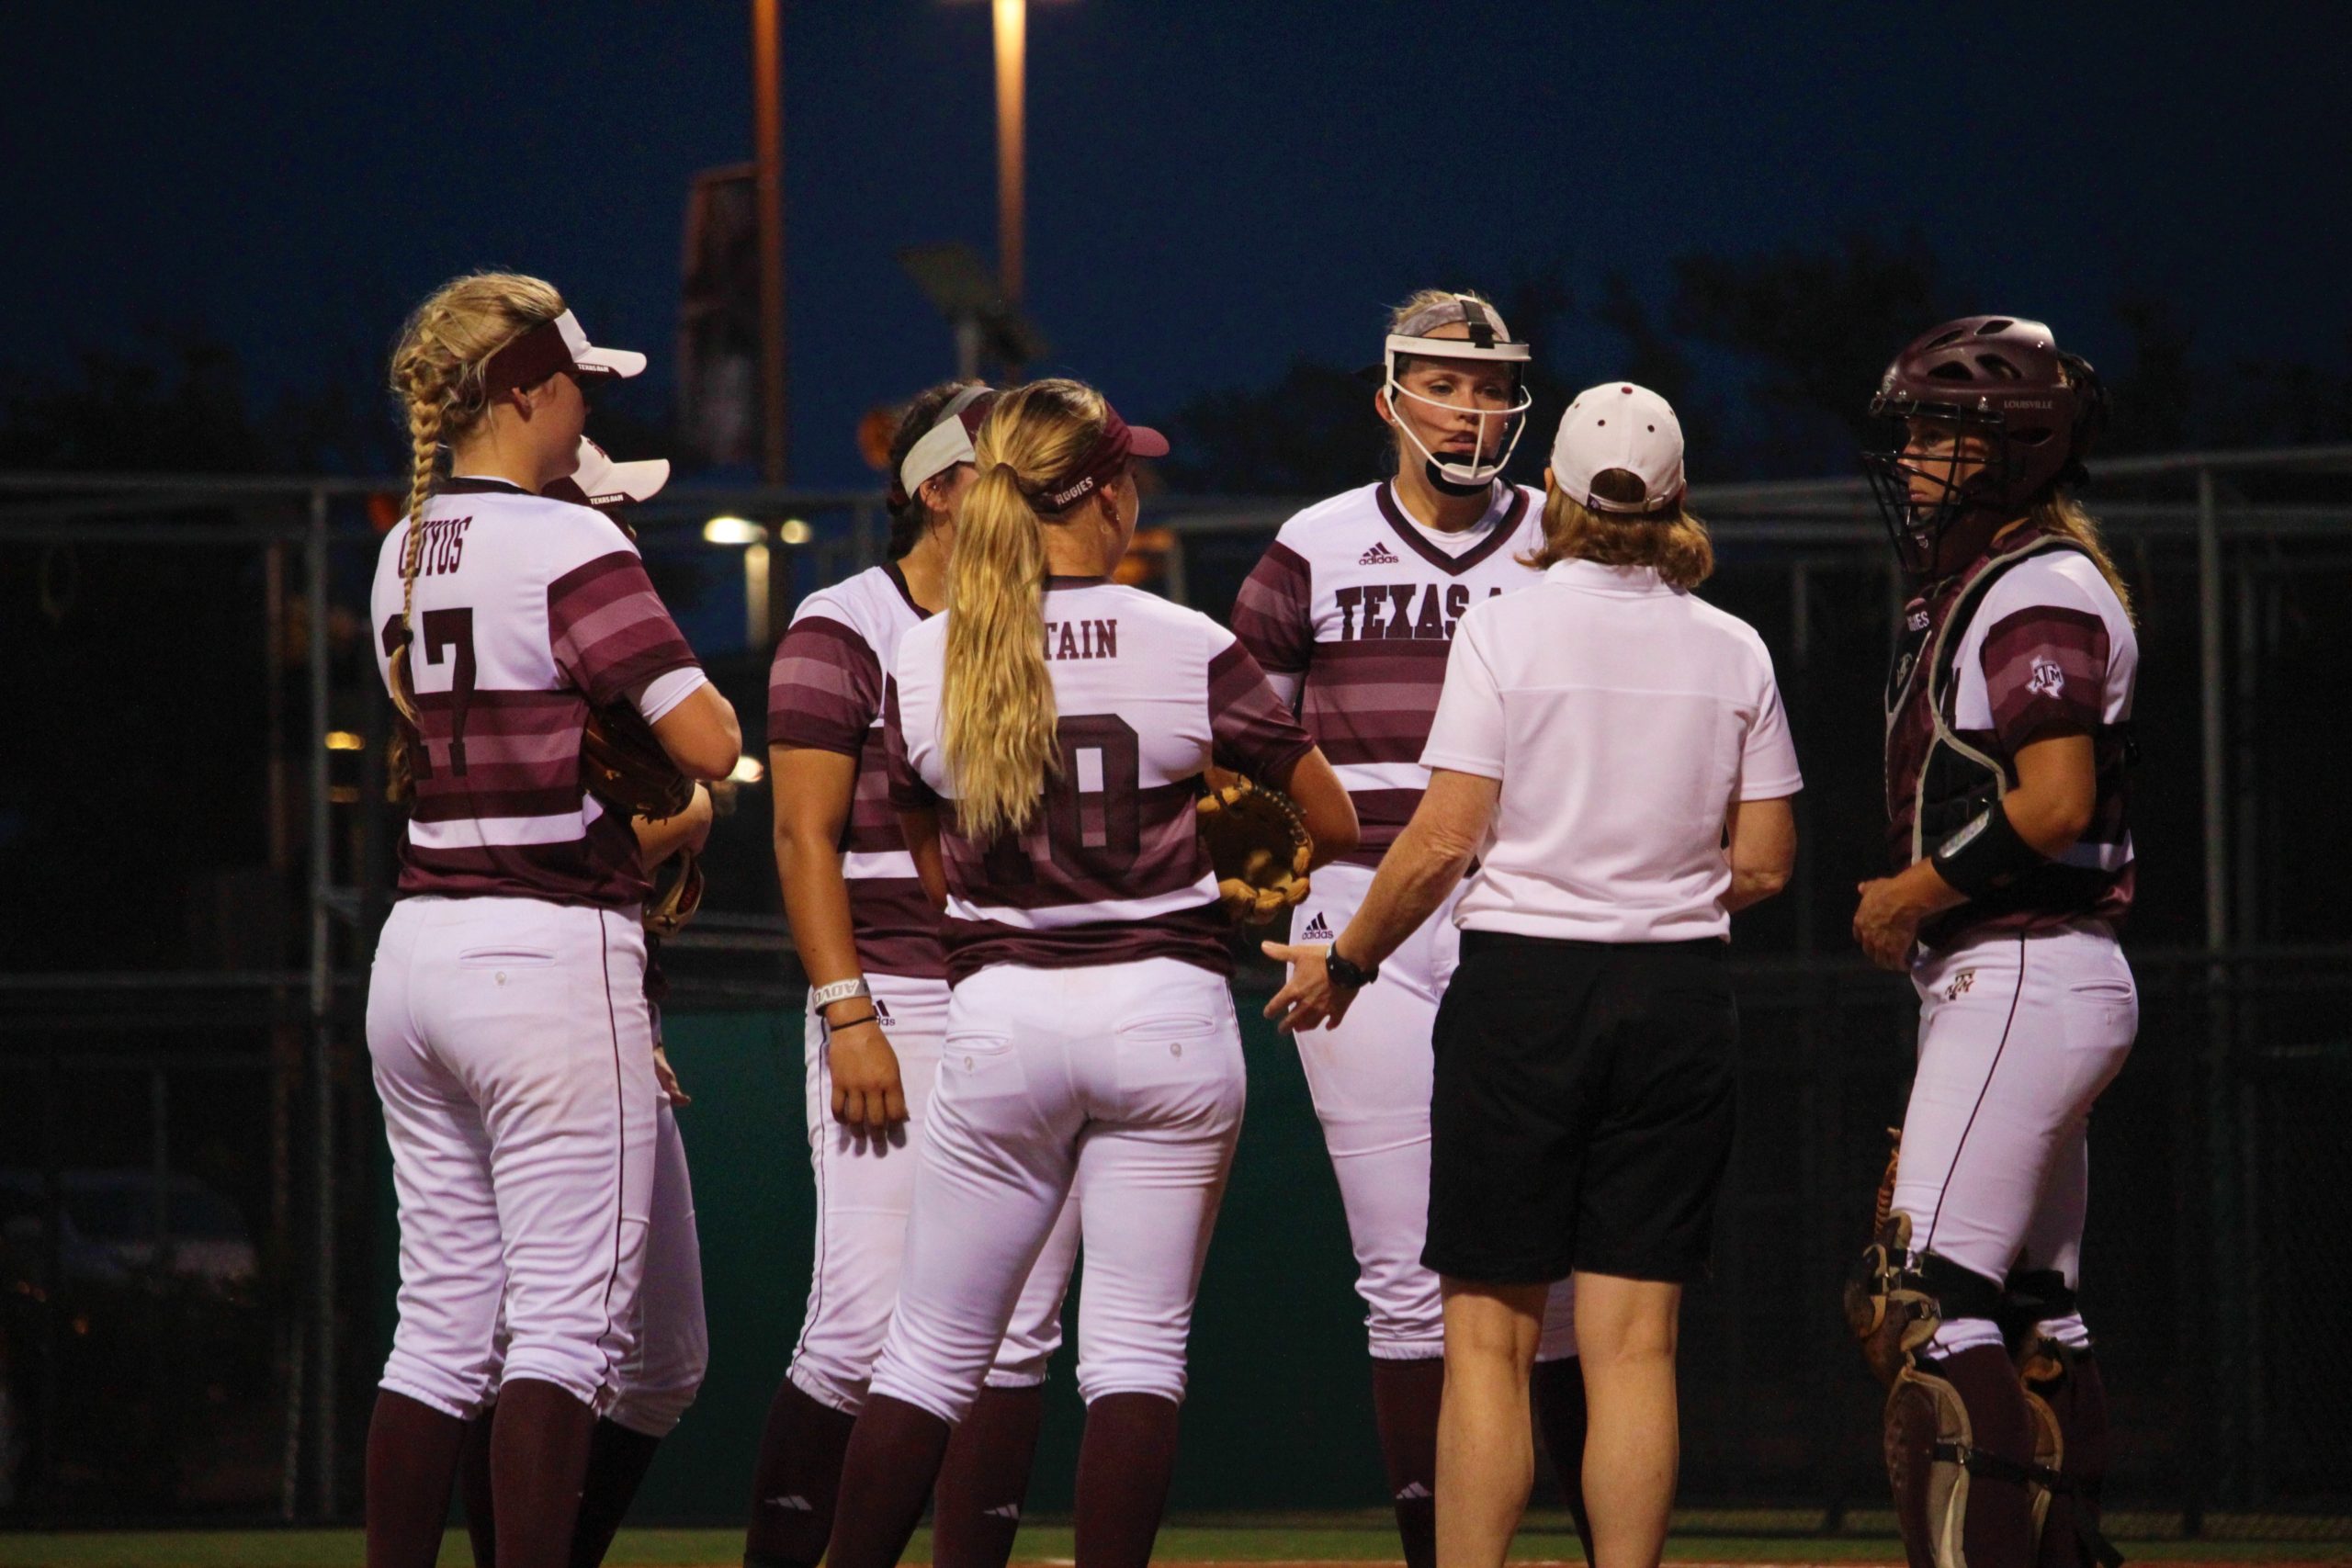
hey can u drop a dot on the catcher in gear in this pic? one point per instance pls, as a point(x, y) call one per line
point(1259, 844)
point(2009, 752)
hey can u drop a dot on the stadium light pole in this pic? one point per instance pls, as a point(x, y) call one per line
point(767, 116)
point(1011, 58)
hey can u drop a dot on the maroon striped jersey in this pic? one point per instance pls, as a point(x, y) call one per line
point(825, 693)
point(2049, 651)
point(1112, 869)
point(528, 611)
point(1352, 610)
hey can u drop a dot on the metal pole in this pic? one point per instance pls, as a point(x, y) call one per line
point(323, 1395)
point(1012, 51)
point(767, 112)
point(2227, 1391)
point(2209, 636)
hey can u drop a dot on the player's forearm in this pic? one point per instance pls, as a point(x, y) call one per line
point(689, 829)
point(816, 900)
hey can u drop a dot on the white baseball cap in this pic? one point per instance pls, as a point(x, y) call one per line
point(600, 482)
point(1620, 425)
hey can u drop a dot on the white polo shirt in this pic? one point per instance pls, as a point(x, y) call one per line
point(1623, 718)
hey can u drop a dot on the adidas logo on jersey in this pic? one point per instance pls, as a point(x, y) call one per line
point(1315, 929)
point(1412, 1492)
point(1004, 1511)
point(882, 1009)
point(795, 1502)
point(1379, 555)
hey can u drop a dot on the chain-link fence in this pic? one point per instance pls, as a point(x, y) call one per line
point(190, 1191)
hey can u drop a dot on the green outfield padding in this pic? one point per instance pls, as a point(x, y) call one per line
point(1280, 1410)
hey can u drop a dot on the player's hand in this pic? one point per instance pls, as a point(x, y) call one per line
point(1308, 999)
point(867, 1092)
point(1887, 922)
point(666, 1077)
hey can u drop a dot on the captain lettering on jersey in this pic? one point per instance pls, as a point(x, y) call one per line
point(1113, 869)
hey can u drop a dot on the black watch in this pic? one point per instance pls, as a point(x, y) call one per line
point(1344, 974)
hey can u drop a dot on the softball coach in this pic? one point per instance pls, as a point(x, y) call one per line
point(1613, 753)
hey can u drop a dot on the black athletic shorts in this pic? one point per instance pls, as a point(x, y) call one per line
point(1581, 1117)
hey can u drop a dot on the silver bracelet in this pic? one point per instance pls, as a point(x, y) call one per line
point(823, 997)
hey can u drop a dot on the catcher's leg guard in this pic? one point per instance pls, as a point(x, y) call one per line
point(1954, 1437)
point(2065, 1392)
point(1888, 1305)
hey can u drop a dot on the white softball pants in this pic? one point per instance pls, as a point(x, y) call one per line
point(1370, 1081)
point(1121, 1083)
point(513, 1051)
point(664, 1370)
point(866, 1186)
point(2018, 1035)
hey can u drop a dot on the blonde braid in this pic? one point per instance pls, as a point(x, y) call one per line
point(437, 375)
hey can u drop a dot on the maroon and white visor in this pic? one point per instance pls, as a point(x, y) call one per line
point(947, 442)
point(559, 345)
point(1119, 442)
point(601, 482)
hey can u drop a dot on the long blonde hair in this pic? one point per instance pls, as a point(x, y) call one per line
point(1671, 539)
point(2060, 513)
point(1000, 739)
point(437, 367)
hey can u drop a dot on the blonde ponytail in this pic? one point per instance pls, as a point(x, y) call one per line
point(2060, 513)
point(437, 365)
point(1000, 737)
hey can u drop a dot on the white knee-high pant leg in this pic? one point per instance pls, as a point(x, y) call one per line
point(865, 1189)
point(664, 1369)
point(1369, 1080)
point(512, 1051)
point(1122, 1081)
point(671, 1348)
point(2019, 1035)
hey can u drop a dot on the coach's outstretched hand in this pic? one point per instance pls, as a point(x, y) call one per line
point(1308, 999)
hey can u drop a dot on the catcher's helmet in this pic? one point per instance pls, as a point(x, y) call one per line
point(2003, 379)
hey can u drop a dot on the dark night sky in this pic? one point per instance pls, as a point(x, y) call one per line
point(1215, 186)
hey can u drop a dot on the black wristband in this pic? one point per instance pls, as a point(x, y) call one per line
point(836, 1027)
point(1988, 855)
point(1347, 976)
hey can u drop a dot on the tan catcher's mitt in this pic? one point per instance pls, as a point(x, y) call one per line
point(1260, 847)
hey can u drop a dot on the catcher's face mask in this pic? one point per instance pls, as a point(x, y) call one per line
point(1475, 421)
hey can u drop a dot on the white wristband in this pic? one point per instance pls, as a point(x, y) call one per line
point(822, 996)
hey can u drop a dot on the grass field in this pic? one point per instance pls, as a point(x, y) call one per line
point(1263, 1544)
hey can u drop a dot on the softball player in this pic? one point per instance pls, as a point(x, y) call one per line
point(1352, 613)
point(664, 1372)
point(513, 1048)
point(1046, 737)
point(2008, 718)
point(869, 939)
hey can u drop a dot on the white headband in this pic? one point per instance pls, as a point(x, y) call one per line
point(943, 445)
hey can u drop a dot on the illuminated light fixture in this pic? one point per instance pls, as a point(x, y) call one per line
point(796, 532)
point(747, 770)
point(733, 531)
point(345, 740)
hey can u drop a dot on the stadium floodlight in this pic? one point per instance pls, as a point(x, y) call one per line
point(795, 531)
point(733, 531)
